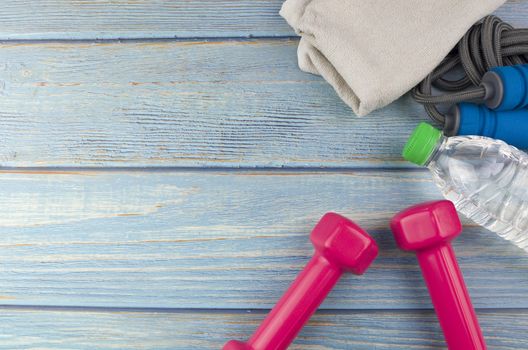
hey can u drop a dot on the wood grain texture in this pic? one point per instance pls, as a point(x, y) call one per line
point(104, 19)
point(194, 243)
point(226, 103)
point(359, 330)
point(220, 240)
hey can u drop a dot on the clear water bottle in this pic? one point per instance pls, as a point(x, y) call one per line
point(486, 179)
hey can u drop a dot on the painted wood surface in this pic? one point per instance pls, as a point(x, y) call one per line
point(220, 240)
point(241, 103)
point(358, 330)
point(221, 103)
point(125, 19)
point(203, 244)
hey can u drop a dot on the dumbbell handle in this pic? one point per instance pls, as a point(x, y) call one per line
point(340, 245)
point(450, 298)
point(296, 306)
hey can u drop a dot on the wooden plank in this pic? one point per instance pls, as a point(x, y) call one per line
point(219, 104)
point(104, 19)
point(417, 329)
point(220, 240)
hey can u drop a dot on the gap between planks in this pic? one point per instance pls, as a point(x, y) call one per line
point(191, 39)
point(263, 311)
point(285, 170)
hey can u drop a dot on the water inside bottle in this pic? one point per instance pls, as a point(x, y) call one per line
point(487, 180)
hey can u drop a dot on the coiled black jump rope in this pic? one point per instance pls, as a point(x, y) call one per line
point(489, 43)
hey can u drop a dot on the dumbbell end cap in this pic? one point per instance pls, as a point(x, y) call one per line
point(343, 243)
point(426, 225)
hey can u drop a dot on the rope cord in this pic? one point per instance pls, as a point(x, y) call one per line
point(488, 43)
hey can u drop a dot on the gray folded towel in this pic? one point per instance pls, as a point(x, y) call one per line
point(374, 51)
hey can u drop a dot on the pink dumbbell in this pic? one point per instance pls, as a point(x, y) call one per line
point(427, 229)
point(340, 245)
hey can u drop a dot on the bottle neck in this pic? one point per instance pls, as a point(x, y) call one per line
point(436, 152)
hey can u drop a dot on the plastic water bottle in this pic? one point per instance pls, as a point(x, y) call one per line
point(486, 179)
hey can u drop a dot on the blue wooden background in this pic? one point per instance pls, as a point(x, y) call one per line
point(163, 163)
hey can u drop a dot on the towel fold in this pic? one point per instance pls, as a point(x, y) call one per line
point(374, 51)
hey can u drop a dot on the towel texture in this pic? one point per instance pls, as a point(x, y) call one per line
point(374, 51)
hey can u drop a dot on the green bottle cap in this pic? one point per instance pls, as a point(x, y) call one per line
point(421, 144)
